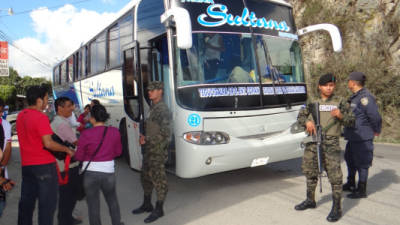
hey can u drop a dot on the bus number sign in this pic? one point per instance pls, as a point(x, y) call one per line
point(194, 120)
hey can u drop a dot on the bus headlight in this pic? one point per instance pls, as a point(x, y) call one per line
point(206, 138)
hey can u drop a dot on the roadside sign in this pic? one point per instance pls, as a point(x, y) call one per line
point(4, 71)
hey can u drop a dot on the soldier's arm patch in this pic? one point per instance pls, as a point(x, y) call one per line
point(364, 101)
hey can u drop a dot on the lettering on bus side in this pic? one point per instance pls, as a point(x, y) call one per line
point(97, 91)
point(217, 15)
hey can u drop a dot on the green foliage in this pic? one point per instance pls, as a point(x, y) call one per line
point(9, 94)
point(12, 85)
point(366, 48)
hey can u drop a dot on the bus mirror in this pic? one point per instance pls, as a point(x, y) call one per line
point(333, 32)
point(183, 25)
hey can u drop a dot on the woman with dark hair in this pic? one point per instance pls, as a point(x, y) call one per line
point(98, 146)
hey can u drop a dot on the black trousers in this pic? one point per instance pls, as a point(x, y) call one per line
point(67, 197)
point(38, 182)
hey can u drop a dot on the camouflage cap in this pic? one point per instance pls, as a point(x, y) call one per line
point(155, 85)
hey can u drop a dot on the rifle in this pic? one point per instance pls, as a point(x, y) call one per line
point(318, 137)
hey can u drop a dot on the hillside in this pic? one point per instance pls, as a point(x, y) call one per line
point(371, 44)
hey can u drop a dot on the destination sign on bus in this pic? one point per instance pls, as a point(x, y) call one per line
point(235, 16)
point(249, 90)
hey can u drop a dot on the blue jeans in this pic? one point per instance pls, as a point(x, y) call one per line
point(2, 206)
point(38, 182)
point(93, 182)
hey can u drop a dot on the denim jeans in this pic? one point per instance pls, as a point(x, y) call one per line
point(67, 197)
point(38, 182)
point(94, 182)
point(2, 206)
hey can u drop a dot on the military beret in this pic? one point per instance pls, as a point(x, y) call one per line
point(326, 78)
point(155, 85)
point(357, 76)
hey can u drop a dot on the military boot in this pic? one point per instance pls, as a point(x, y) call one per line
point(145, 207)
point(361, 191)
point(350, 185)
point(156, 213)
point(336, 211)
point(309, 203)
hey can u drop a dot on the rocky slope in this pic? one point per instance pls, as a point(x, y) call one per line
point(371, 43)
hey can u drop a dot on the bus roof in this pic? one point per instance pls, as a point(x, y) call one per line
point(282, 2)
point(120, 13)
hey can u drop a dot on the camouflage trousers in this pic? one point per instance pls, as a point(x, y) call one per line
point(330, 161)
point(153, 175)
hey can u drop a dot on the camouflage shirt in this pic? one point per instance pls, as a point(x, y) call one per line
point(326, 106)
point(158, 124)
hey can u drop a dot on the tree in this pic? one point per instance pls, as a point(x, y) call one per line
point(13, 84)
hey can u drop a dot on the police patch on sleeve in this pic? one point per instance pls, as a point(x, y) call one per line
point(364, 101)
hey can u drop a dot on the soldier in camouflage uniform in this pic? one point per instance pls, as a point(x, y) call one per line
point(155, 143)
point(334, 113)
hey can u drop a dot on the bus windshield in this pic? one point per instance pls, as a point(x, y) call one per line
point(221, 58)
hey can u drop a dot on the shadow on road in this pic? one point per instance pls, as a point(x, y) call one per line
point(192, 197)
point(376, 183)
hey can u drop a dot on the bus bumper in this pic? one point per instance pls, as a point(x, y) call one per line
point(199, 160)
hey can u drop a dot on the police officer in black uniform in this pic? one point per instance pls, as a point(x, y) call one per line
point(359, 148)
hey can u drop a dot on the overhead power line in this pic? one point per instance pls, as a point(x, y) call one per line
point(6, 38)
point(50, 7)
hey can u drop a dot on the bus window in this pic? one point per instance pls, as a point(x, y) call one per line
point(101, 52)
point(79, 64)
point(76, 66)
point(130, 88)
point(114, 48)
point(92, 52)
point(160, 66)
point(125, 30)
point(56, 75)
point(63, 73)
point(70, 69)
point(84, 61)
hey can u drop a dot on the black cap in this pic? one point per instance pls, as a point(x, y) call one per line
point(324, 79)
point(357, 76)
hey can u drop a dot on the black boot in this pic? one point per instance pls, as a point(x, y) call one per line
point(156, 213)
point(309, 203)
point(361, 191)
point(350, 185)
point(336, 211)
point(145, 207)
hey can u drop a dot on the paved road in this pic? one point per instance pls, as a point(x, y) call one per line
point(262, 195)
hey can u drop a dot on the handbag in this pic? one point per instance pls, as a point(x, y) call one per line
point(80, 192)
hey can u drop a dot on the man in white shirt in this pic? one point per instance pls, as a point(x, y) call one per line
point(63, 128)
point(5, 145)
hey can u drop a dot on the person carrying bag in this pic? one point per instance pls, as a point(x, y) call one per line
point(97, 148)
point(81, 190)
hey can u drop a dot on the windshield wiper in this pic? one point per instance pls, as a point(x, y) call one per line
point(274, 73)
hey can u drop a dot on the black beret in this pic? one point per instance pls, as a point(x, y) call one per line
point(324, 79)
point(357, 76)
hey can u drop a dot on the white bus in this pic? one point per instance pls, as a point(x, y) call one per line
point(232, 72)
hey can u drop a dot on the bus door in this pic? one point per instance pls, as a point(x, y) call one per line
point(132, 124)
point(159, 63)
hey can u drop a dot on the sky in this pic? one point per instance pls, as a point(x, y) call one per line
point(43, 32)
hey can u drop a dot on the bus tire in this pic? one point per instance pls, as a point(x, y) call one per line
point(13, 128)
point(124, 141)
